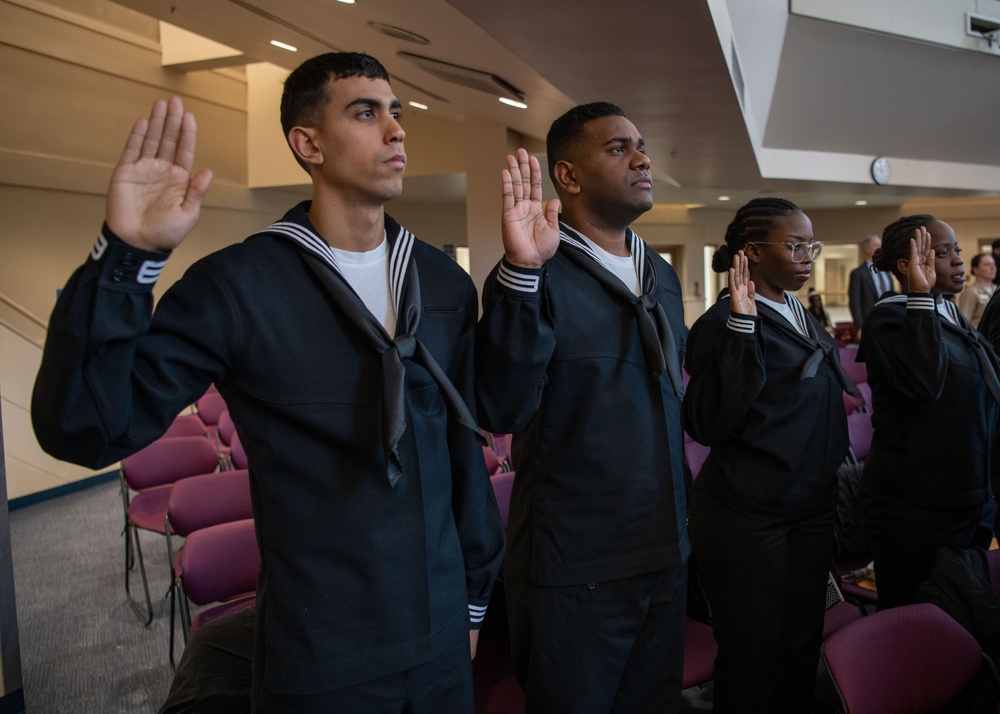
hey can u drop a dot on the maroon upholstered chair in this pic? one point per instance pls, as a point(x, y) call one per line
point(503, 482)
point(237, 454)
point(695, 455)
point(860, 431)
point(700, 651)
point(150, 474)
point(906, 660)
point(186, 425)
point(218, 567)
point(210, 408)
point(199, 502)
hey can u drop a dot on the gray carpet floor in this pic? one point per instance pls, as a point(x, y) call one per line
point(82, 647)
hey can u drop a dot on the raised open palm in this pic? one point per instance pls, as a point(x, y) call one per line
point(530, 229)
point(153, 201)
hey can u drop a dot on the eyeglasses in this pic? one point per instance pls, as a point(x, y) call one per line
point(800, 250)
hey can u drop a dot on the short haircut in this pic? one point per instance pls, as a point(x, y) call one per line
point(567, 130)
point(753, 221)
point(867, 240)
point(896, 242)
point(304, 98)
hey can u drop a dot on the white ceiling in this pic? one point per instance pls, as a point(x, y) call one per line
point(836, 89)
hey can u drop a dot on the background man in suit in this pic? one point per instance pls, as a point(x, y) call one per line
point(866, 286)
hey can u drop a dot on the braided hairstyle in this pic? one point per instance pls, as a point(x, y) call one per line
point(896, 242)
point(753, 222)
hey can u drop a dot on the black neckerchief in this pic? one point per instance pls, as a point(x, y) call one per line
point(404, 286)
point(659, 345)
point(818, 349)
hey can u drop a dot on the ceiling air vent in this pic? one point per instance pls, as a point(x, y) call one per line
point(466, 77)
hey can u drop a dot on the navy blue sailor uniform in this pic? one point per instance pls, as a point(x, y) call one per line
point(766, 397)
point(587, 376)
point(380, 536)
point(935, 407)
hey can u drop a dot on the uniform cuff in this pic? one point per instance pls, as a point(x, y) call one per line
point(476, 615)
point(518, 279)
point(920, 301)
point(743, 324)
point(123, 265)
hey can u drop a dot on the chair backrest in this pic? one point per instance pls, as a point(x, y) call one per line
point(237, 454)
point(905, 660)
point(209, 499)
point(860, 431)
point(866, 394)
point(221, 562)
point(503, 482)
point(695, 455)
point(226, 428)
point(852, 404)
point(210, 408)
point(185, 425)
point(493, 465)
point(857, 371)
point(167, 460)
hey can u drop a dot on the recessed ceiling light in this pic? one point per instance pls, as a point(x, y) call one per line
point(862, 202)
point(346, 2)
point(284, 46)
point(417, 105)
point(513, 103)
point(723, 198)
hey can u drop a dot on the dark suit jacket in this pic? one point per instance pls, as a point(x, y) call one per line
point(861, 293)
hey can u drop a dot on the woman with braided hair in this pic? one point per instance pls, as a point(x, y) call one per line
point(930, 374)
point(765, 394)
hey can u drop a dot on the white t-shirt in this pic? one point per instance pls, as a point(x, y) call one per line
point(785, 310)
point(368, 274)
point(621, 265)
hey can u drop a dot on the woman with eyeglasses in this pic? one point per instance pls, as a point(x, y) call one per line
point(935, 395)
point(765, 395)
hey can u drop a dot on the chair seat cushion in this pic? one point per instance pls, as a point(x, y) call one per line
point(147, 508)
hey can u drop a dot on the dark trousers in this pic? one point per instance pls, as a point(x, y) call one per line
point(442, 685)
point(766, 582)
point(600, 647)
point(903, 538)
point(213, 676)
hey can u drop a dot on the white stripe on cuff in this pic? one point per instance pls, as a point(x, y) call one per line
point(740, 324)
point(517, 281)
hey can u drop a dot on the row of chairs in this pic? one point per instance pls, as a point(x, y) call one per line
point(192, 484)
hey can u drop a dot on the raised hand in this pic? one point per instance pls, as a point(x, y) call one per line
point(741, 288)
point(530, 230)
point(153, 201)
point(921, 275)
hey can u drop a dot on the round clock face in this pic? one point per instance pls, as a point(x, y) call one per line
point(881, 170)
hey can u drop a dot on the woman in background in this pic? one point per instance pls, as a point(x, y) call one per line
point(816, 309)
point(765, 394)
point(972, 301)
point(935, 395)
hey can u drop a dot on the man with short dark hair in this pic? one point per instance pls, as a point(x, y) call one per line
point(343, 347)
point(579, 353)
